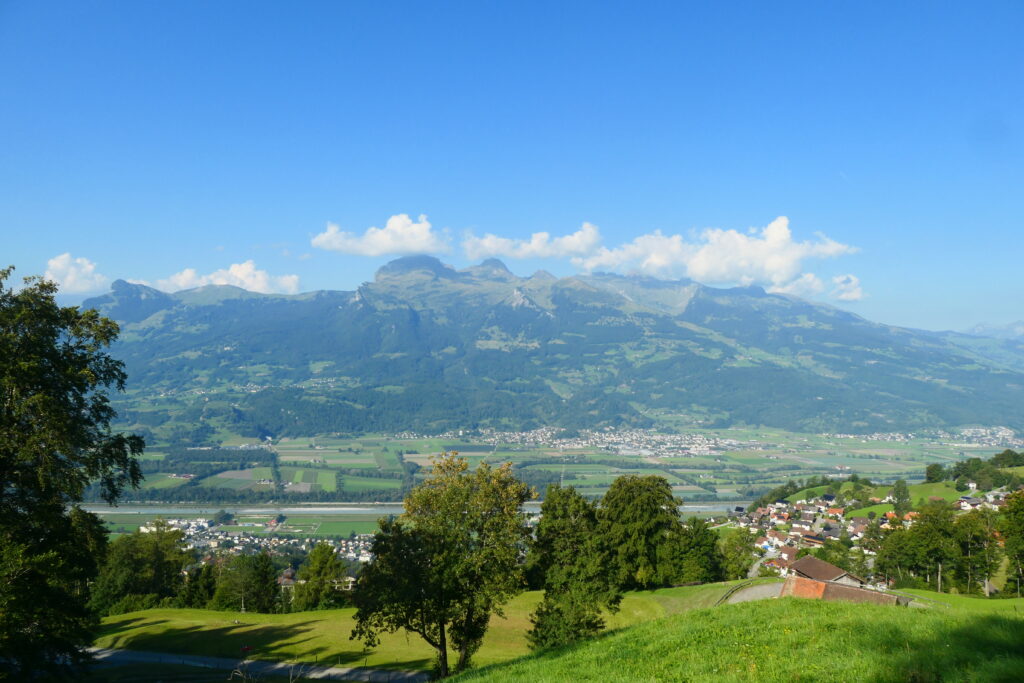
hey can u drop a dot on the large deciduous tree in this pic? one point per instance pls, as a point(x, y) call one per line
point(449, 562)
point(571, 558)
point(55, 439)
point(640, 523)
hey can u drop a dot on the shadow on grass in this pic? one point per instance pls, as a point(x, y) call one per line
point(981, 648)
point(112, 628)
point(275, 642)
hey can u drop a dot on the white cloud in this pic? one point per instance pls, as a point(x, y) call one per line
point(653, 253)
point(540, 245)
point(806, 285)
point(768, 257)
point(400, 235)
point(847, 288)
point(75, 275)
point(245, 275)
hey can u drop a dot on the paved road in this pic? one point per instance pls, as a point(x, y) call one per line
point(761, 591)
point(257, 666)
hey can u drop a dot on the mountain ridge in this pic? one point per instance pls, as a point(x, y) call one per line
point(593, 350)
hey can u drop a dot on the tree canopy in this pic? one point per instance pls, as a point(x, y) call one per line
point(55, 439)
point(449, 561)
point(640, 522)
point(140, 570)
point(571, 558)
point(318, 578)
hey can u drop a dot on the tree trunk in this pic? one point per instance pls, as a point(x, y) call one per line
point(442, 654)
point(940, 577)
point(466, 644)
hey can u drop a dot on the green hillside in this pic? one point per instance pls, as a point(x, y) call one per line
point(790, 640)
point(322, 636)
point(666, 634)
point(942, 489)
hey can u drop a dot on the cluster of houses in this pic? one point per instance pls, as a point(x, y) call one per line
point(784, 527)
point(642, 442)
point(204, 535)
point(993, 500)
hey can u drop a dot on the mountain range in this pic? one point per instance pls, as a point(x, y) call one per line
point(426, 347)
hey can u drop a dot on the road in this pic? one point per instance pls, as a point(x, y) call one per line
point(113, 657)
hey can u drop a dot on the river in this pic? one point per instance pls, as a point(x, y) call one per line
point(368, 509)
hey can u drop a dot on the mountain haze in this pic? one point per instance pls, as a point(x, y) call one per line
point(428, 347)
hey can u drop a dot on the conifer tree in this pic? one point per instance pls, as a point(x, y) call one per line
point(571, 557)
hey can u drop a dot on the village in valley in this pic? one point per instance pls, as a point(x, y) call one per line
point(785, 527)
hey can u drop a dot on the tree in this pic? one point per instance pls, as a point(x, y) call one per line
point(979, 552)
point(448, 562)
point(318, 576)
point(639, 521)
point(932, 534)
point(738, 553)
point(834, 552)
point(199, 587)
point(872, 539)
point(222, 516)
point(571, 559)
point(701, 559)
point(55, 439)
point(1012, 528)
point(140, 570)
point(896, 556)
point(248, 583)
point(901, 498)
point(934, 473)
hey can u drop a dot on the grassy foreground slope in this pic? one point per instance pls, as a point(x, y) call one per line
point(790, 640)
point(323, 636)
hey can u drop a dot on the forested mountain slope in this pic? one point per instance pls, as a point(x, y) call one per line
point(427, 347)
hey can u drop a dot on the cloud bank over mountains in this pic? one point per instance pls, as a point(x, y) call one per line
point(245, 275)
point(769, 256)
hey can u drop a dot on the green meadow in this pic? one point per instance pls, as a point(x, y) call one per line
point(666, 634)
point(791, 640)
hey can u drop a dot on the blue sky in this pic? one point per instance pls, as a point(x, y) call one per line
point(182, 143)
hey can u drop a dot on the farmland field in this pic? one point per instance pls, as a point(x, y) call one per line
point(743, 464)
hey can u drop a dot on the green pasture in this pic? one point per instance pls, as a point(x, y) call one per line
point(789, 640)
point(217, 481)
point(160, 480)
point(354, 483)
point(322, 636)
